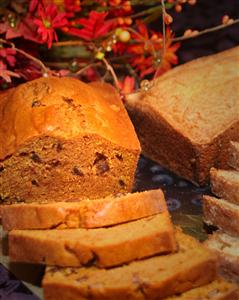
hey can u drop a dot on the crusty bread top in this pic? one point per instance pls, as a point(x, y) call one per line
point(65, 108)
point(200, 99)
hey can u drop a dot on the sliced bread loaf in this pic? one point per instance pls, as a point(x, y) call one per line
point(187, 129)
point(153, 278)
point(228, 249)
point(86, 213)
point(225, 184)
point(218, 289)
point(105, 247)
point(221, 213)
point(233, 160)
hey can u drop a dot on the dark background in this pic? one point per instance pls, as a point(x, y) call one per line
point(205, 14)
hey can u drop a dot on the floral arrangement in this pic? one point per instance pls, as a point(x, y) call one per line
point(90, 39)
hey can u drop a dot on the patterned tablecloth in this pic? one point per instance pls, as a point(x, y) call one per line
point(184, 202)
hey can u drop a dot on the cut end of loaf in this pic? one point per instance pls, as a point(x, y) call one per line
point(53, 169)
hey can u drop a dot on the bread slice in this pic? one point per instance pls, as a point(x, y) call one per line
point(86, 213)
point(221, 213)
point(233, 159)
point(153, 278)
point(228, 249)
point(218, 289)
point(65, 140)
point(225, 184)
point(179, 120)
point(105, 247)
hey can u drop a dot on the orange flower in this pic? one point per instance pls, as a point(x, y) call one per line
point(127, 85)
point(147, 51)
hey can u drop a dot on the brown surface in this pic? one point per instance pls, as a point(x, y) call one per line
point(227, 248)
point(225, 184)
point(233, 159)
point(61, 139)
point(85, 214)
point(180, 122)
point(219, 289)
point(221, 213)
point(153, 278)
point(104, 246)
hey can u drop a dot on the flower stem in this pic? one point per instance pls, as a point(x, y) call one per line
point(29, 56)
point(205, 31)
point(112, 72)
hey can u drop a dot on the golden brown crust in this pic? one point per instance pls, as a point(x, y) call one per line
point(85, 214)
point(233, 159)
point(221, 213)
point(154, 278)
point(225, 184)
point(41, 107)
point(186, 129)
point(105, 246)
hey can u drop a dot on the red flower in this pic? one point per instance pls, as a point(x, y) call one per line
point(49, 20)
point(34, 4)
point(6, 74)
point(8, 55)
point(94, 26)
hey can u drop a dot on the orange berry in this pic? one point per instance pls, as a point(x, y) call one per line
point(128, 21)
point(126, 6)
point(120, 21)
point(195, 32)
point(192, 2)
point(154, 37)
point(225, 19)
point(178, 8)
point(188, 32)
point(168, 19)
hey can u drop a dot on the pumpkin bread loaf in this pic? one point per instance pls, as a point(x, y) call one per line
point(186, 120)
point(219, 289)
point(225, 184)
point(105, 247)
point(153, 278)
point(64, 140)
point(227, 247)
point(221, 213)
point(85, 214)
point(233, 159)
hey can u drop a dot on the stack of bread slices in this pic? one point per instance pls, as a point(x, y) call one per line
point(224, 213)
point(123, 247)
point(63, 140)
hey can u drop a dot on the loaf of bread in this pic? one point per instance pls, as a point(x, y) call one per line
point(153, 278)
point(233, 160)
point(219, 289)
point(85, 214)
point(221, 213)
point(227, 247)
point(105, 247)
point(225, 184)
point(64, 140)
point(186, 120)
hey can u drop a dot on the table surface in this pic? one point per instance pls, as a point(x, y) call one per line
point(184, 203)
